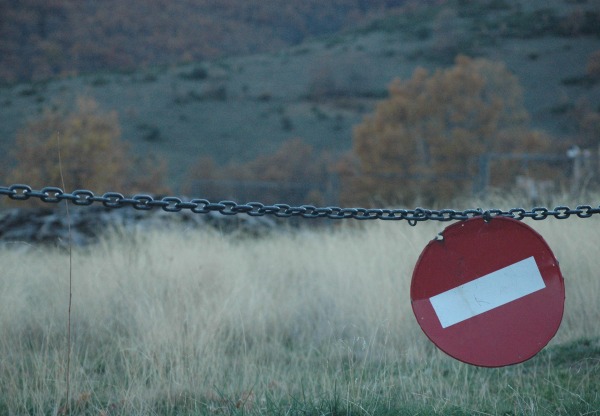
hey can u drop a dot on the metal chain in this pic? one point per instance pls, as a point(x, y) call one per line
point(81, 197)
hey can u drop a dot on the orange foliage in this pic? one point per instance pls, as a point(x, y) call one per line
point(425, 140)
point(292, 171)
point(92, 154)
point(294, 161)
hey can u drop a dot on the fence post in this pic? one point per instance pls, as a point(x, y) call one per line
point(332, 189)
point(482, 181)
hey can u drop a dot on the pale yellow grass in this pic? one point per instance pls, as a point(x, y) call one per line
point(195, 318)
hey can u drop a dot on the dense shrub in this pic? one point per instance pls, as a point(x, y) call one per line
point(294, 173)
point(92, 154)
point(426, 139)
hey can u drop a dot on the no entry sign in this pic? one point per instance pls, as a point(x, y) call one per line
point(488, 293)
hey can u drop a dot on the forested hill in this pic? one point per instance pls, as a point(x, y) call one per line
point(40, 39)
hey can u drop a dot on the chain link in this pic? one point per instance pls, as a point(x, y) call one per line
point(82, 197)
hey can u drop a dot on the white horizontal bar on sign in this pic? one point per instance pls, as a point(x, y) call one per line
point(488, 292)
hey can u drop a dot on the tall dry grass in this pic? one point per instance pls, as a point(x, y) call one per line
point(196, 322)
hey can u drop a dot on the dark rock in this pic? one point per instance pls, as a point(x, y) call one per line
point(88, 223)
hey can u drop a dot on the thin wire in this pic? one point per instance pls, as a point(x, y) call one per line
point(68, 380)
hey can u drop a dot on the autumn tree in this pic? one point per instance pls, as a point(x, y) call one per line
point(92, 154)
point(294, 161)
point(295, 170)
point(425, 140)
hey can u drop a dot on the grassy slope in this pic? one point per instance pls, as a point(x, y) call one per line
point(247, 106)
point(301, 322)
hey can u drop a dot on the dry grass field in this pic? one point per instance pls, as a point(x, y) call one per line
point(301, 322)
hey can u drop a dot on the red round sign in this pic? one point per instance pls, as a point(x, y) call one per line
point(488, 293)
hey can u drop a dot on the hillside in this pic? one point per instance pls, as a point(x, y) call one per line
point(237, 108)
point(66, 37)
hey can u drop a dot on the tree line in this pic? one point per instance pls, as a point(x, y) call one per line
point(424, 142)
